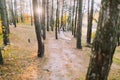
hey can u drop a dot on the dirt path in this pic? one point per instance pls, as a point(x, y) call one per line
point(63, 61)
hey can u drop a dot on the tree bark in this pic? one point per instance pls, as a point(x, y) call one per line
point(1, 58)
point(62, 14)
point(48, 15)
point(31, 13)
point(76, 19)
point(5, 23)
point(38, 29)
point(21, 12)
point(79, 26)
point(43, 19)
point(13, 15)
point(56, 27)
point(105, 41)
point(52, 19)
point(16, 15)
point(118, 30)
point(90, 19)
point(73, 18)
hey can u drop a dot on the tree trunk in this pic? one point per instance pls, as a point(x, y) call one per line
point(58, 23)
point(5, 23)
point(76, 19)
point(31, 13)
point(79, 26)
point(70, 15)
point(62, 14)
point(52, 19)
point(1, 58)
point(38, 29)
point(56, 27)
point(90, 19)
point(16, 15)
point(48, 15)
point(43, 20)
point(118, 30)
point(9, 12)
point(73, 18)
point(104, 44)
point(13, 15)
point(21, 13)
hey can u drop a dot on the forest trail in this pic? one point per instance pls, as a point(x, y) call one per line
point(65, 62)
point(62, 61)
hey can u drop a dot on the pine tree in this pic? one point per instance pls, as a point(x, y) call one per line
point(105, 41)
point(5, 23)
point(38, 29)
point(79, 26)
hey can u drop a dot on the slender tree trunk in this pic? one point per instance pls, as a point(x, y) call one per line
point(73, 18)
point(58, 23)
point(56, 28)
point(118, 35)
point(16, 15)
point(43, 20)
point(70, 16)
point(9, 13)
point(21, 12)
point(38, 29)
point(1, 58)
point(31, 13)
point(89, 27)
point(62, 14)
point(79, 26)
point(76, 19)
point(52, 19)
point(118, 30)
point(13, 15)
point(48, 15)
point(5, 23)
point(104, 44)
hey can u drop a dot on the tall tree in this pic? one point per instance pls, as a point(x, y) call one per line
point(21, 11)
point(13, 15)
point(1, 58)
point(58, 23)
point(62, 12)
point(57, 18)
point(9, 12)
point(16, 14)
point(47, 15)
point(104, 44)
point(118, 30)
point(31, 13)
point(73, 18)
point(79, 26)
point(70, 14)
point(5, 23)
point(43, 19)
point(76, 19)
point(38, 29)
point(90, 19)
point(52, 19)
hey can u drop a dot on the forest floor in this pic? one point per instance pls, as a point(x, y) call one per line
point(62, 60)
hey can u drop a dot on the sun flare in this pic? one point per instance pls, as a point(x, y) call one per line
point(39, 11)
